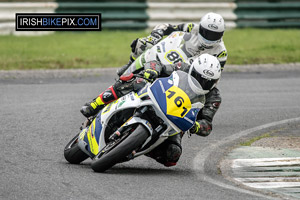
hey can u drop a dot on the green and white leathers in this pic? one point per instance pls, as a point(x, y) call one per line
point(169, 51)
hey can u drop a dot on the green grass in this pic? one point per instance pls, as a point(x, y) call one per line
point(66, 50)
point(251, 46)
point(112, 48)
point(252, 140)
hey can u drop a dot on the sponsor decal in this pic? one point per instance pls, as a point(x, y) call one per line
point(121, 103)
point(149, 125)
point(132, 96)
point(190, 27)
point(208, 73)
point(108, 107)
point(158, 49)
point(106, 95)
point(213, 26)
point(222, 54)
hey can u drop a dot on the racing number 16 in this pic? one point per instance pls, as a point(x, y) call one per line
point(178, 101)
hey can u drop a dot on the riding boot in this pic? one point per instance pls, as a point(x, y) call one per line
point(93, 107)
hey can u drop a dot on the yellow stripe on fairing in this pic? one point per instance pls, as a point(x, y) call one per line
point(174, 134)
point(94, 147)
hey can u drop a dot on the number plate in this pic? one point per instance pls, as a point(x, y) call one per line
point(173, 57)
point(178, 103)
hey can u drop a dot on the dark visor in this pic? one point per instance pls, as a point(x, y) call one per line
point(205, 83)
point(210, 35)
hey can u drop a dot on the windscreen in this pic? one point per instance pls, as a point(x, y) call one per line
point(188, 87)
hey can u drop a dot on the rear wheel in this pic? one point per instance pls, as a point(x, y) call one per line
point(73, 154)
point(118, 151)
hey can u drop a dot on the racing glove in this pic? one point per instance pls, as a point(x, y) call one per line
point(150, 74)
point(138, 46)
point(155, 37)
point(201, 128)
point(141, 43)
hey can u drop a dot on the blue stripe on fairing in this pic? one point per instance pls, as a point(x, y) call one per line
point(98, 127)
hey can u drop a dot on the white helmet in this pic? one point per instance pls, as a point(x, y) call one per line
point(206, 69)
point(211, 29)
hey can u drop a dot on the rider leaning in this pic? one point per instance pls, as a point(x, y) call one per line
point(203, 38)
point(200, 39)
point(168, 153)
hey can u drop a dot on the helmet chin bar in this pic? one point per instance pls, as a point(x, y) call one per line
point(207, 44)
point(204, 46)
point(196, 89)
point(209, 38)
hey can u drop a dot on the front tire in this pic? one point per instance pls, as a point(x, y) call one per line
point(123, 149)
point(73, 154)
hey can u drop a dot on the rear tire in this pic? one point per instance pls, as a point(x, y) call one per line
point(123, 149)
point(73, 154)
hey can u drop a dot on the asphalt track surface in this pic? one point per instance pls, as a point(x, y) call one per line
point(39, 116)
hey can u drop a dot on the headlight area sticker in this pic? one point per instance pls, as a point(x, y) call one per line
point(58, 22)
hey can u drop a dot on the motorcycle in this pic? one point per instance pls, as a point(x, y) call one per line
point(138, 122)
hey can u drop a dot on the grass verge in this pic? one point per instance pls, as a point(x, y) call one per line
point(252, 140)
point(111, 48)
point(259, 46)
point(66, 50)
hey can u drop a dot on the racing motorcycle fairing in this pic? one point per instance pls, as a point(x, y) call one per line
point(89, 137)
point(93, 139)
point(172, 101)
point(176, 100)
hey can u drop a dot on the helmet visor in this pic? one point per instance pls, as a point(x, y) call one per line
point(210, 35)
point(206, 84)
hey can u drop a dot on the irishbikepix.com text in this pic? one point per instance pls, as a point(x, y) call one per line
point(57, 22)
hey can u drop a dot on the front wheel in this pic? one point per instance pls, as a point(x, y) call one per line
point(121, 150)
point(73, 154)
